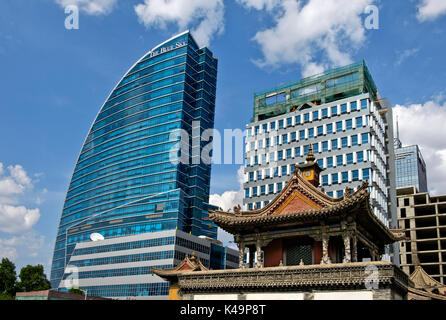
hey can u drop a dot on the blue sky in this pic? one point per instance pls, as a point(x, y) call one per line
point(55, 80)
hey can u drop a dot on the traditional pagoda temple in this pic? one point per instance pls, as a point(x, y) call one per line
point(303, 245)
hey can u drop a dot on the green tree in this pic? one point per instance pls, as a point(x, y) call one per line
point(32, 278)
point(8, 278)
point(76, 290)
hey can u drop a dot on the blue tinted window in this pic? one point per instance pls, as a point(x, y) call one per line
point(325, 180)
point(355, 175)
point(339, 126)
point(365, 174)
point(329, 128)
point(344, 142)
point(339, 160)
point(344, 176)
point(354, 140)
point(334, 144)
point(350, 158)
point(324, 146)
point(297, 119)
point(334, 178)
point(365, 138)
point(284, 170)
point(353, 106)
point(364, 103)
point(349, 124)
point(311, 133)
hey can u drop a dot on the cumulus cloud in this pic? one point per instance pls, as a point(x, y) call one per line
point(317, 34)
point(28, 244)
point(204, 17)
point(15, 218)
point(423, 124)
point(429, 10)
point(226, 201)
point(90, 7)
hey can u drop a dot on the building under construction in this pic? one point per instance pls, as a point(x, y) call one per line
point(423, 218)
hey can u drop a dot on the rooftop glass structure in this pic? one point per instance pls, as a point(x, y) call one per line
point(332, 85)
point(127, 179)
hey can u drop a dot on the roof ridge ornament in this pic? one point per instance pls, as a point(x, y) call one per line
point(310, 156)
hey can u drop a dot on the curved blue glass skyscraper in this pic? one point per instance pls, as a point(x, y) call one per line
point(124, 182)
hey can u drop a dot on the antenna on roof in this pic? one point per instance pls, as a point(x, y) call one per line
point(397, 142)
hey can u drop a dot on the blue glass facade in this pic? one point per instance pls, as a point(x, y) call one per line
point(125, 182)
point(410, 168)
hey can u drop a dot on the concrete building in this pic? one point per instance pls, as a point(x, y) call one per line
point(121, 268)
point(341, 115)
point(423, 218)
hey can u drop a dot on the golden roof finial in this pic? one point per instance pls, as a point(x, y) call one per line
point(310, 155)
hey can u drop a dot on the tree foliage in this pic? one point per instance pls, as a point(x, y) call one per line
point(32, 278)
point(8, 278)
point(76, 290)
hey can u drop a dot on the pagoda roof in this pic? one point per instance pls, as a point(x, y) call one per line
point(422, 280)
point(191, 264)
point(300, 203)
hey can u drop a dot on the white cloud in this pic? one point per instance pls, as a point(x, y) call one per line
point(317, 34)
point(226, 201)
point(402, 56)
point(91, 7)
point(206, 17)
point(259, 4)
point(423, 124)
point(29, 244)
point(15, 218)
point(19, 174)
point(232, 198)
point(429, 10)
